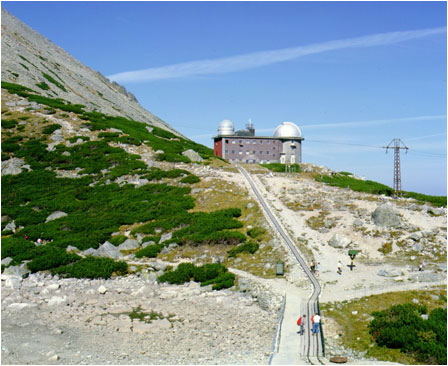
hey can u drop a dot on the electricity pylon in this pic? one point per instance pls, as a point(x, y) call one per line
point(396, 145)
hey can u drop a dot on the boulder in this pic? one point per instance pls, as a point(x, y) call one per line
point(385, 216)
point(11, 226)
point(6, 261)
point(192, 155)
point(56, 215)
point(416, 236)
point(71, 248)
point(357, 223)
point(12, 166)
point(108, 250)
point(338, 241)
point(436, 211)
point(129, 244)
point(146, 243)
point(90, 251)
point(388, 273)
point(166, 237)
point(57, 300)
point(418, 247)
point(18, 271)
point(102, 290)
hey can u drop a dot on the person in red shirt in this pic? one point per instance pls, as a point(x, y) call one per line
point(301, 324)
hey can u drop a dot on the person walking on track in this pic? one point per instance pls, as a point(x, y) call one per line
point(301, 324)
point(316, 323)
point(339, 267)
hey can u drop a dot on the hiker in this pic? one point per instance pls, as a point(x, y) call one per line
point(339, 267)
point(316, 322)
point(313, 266)
point(420, 268)
point(39, 241)
point(301, 324)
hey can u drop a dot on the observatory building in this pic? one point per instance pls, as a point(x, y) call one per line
point(243, 146)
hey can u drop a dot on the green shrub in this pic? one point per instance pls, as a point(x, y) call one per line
point(191, 179)
point(24, 66)
point(15, 246)
point(358, 185)
point(151, 251)
point(48, 257)
point(53, 81)
point(92, 267)
point(9, 123)
point(256, 232)
point(48, 130)
point(211, 273)
point(281, 168)
point(402, 327)
point(434, 200)
point(43, 85)
point(249, 247)
point(117, 240)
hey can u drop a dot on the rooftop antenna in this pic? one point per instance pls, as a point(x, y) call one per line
point(250, 127)
point(396, 145)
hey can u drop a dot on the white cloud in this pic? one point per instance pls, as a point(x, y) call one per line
point(263, 58)
point(374, 122)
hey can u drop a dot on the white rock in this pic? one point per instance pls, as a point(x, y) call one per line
point(56, 215)
point(102, 289)
point(57, 300)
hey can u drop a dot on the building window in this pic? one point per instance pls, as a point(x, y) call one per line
point(233, 151)
point(247, 152)
point(273, 148)
point(227, 141)
point(247, 142)
point(268, 142)
point(261, 152)
point(247, 161)
point(261, 141)
point(233, 141)
point(254, 142)
point(240, 152)
point(241, 141)
point(267, 152)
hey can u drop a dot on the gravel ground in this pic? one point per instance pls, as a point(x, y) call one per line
point(46, 320)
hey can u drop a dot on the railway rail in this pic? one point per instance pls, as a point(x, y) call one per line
point(312, 348)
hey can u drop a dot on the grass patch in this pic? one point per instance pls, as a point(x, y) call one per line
point(43, 85)
point(281, 168)
point(354, 330)
point(54, 81)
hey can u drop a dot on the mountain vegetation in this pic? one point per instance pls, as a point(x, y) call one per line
point(96, 204)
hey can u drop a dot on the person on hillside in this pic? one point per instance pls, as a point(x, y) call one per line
point(339, 267)
point(316, 323)
point(301, 324)
point(313, 266)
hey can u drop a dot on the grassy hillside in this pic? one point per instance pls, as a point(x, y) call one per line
point(344, 180)
point(97, 203)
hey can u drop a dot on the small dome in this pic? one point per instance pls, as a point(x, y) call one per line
point(226, 128)
point(287, 129)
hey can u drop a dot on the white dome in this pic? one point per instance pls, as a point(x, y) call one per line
point(287, 129)
point(226, 128)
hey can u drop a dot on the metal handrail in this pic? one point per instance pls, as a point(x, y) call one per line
point(278, 329)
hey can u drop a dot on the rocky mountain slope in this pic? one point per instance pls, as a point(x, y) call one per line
point(31, 60)
point(97, 210)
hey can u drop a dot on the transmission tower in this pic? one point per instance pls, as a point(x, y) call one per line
point(396, 145)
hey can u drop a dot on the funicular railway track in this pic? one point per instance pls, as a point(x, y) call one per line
point(311, 348)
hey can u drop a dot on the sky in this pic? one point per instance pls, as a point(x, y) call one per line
point(352, 75)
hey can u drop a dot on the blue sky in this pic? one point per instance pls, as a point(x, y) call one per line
point(348, 73)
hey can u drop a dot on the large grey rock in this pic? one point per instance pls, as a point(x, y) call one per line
point(129, 244)
point(89, 251)
point(18, 271)
point(436, 211)
point(192, 155)
point(108, 250)
point(12, 166)
point(418, 247)
point(166, 237)
point(388, 273)
point(385, 216)
point(11, 226)
point(357, 223)
point(338, 241)
point(6, 261)
point(56, 215)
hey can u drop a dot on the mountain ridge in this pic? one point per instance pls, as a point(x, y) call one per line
point(32, 60)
